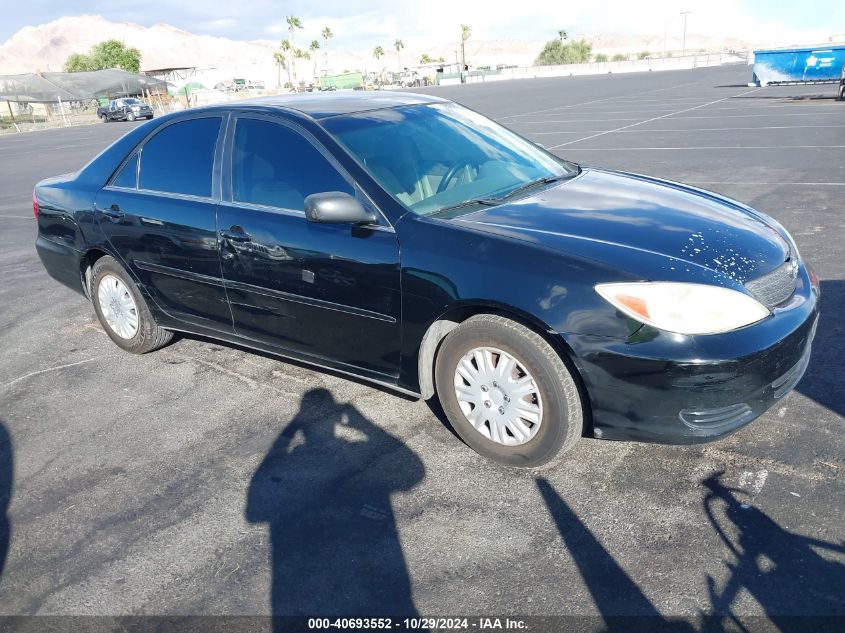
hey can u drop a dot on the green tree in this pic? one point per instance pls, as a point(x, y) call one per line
point(77, 62)
point(314, 47)
point(425, 59)
point(399, 45)
point(619, 57)
point(601, 57)
point(294, 23)
point(378, 52)
point(287, 52)
point(644, 55)
point(465, 33)
point(559, 52)
point(562, 35)
point(327, 35)
point(107, 54)
point(280, 58)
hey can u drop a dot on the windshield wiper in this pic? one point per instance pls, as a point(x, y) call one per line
point(536, 183)
point(487, 202)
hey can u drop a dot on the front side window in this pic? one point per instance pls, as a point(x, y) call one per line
point(180, 158)
point(437, 155)
point(273, 165)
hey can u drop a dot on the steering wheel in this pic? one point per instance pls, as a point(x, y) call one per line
point(459, 164)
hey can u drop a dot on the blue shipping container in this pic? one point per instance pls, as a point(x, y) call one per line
point(801, 65)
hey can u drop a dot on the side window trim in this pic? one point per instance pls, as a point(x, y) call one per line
point(117, 172)
point(227, 163)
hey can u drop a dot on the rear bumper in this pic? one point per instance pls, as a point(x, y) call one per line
point(62, 263)
point(675, 389)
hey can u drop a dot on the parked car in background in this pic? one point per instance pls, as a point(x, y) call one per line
point(537, 299)
point(128, 109)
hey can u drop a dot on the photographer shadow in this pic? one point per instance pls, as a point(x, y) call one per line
point(325, 490)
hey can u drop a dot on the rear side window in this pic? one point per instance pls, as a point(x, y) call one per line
point(275, 166)
point(128, 175)
point(180, 158)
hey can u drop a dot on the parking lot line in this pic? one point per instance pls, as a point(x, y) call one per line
point(625, 149)
point(691, 129)
point(624, 127)
point(732, 182)
point(614, 97)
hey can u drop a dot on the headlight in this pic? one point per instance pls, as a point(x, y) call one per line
point(684, 308)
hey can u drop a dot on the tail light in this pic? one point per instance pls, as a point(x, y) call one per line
point(34, 204)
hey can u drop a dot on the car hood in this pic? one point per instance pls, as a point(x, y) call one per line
point(685, 225)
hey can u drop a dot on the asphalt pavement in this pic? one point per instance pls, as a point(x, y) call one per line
point(205, 479)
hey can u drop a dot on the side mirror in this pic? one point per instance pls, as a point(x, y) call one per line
point(336, 207)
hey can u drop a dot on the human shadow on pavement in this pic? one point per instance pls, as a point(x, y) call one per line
point(621, 603)
point(789, 575)
point(6, 473)
point(325, 490)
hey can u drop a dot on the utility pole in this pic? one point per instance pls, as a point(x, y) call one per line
point(684, 47)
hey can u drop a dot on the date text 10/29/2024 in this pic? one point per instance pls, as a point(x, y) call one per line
point(411, 624)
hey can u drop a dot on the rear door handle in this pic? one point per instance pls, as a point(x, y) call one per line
point(235, 234)
point(113, 212)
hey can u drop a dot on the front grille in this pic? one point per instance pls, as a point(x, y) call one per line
point(775, 287)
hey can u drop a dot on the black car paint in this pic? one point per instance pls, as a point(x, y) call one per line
point(362, 300)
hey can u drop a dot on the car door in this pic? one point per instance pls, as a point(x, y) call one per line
point(115, 112)
point(329, 291)
point(158, 214)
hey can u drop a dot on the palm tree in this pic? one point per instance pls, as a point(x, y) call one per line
point(315, 46)
point(327, 35)
point(285, 47)
point(293, 24)
point(378, 51)
point(399, 45)
point(562, 35)
point(279, 56)
point(465, 31)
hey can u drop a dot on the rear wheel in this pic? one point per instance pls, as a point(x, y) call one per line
point(122, 310)
point(508, 393)
point(104, 118)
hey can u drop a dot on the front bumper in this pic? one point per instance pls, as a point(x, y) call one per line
point(675, 389)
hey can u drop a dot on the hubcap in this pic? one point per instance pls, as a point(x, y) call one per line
point(118, 306)
point(498, 396)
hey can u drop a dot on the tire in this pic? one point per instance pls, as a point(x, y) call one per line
point(147, 336)
point(130, 116)
point(104, 118)
point(555, 394)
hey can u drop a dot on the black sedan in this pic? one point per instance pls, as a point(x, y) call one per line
point(412, 242)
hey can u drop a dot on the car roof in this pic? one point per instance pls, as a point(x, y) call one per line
point(319, 105)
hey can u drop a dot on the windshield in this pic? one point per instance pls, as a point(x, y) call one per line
point(131, 102)
point(434, 156)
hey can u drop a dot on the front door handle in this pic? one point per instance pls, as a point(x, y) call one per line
point(235, 234)
point(113, 213)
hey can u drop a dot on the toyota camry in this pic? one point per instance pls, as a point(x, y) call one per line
point(414, 243)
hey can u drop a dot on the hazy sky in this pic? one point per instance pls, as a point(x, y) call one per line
point(360, 23)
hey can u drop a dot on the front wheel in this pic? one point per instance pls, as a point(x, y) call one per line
point(507, 392)
point(122, 311)
point(104, 118)
point(130, 116)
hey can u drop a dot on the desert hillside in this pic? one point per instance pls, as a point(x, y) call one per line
point(45, 48)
